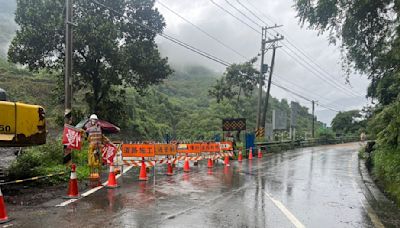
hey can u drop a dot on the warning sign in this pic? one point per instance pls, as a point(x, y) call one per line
point(165, 149)
point(234, 124)
point(226, 146)
point(189, 148)
point(138, 150)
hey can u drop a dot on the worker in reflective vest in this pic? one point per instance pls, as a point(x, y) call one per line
point(96, 142)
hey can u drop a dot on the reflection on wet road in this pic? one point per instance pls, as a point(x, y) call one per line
point(308, 187)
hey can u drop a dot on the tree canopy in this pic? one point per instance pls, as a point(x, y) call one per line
point(348, 122)
point(368, 32)
point(110, 51)
point(237, 79)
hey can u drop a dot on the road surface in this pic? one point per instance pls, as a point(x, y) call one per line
point(307, 187)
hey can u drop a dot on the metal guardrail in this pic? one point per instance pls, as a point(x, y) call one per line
point(306, 143)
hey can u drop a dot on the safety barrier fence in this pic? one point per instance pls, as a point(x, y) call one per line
point(195, 154)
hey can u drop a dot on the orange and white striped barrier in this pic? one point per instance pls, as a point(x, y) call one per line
point(138, 163)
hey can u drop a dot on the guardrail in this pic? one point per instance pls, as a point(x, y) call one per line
point(288, 144)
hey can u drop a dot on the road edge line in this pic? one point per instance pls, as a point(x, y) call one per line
point(91, 191)
point(285, 211)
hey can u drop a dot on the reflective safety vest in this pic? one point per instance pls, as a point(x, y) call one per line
point(95, 135)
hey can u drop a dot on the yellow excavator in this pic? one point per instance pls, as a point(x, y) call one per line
point(21, 124)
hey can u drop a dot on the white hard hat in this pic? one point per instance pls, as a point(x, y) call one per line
point(93, 117)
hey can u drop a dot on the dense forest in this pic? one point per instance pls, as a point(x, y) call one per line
point(180, 106)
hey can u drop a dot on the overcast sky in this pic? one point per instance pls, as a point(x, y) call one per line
point(233, 33)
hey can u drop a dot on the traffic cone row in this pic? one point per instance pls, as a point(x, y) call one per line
point(259, 153)
point(250, 154)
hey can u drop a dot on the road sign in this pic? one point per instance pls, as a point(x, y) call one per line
point(165, 149)
point(138, 150)
point(238, 124)
point(189, 148)
point(294, 112)
point(279, 119)
point(260, 132)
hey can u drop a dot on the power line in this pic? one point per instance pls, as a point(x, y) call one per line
point(301, 96)
point(251, 12)
point(248, 18)
point(312, 70)
point(191, 48)
point(168, 37)
point(202, 30)
point(309, 94)
point(320, 69)
point(237, 18)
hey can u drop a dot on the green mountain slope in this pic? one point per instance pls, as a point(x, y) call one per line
point(179, 107)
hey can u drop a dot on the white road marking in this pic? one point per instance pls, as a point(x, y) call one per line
point(367, 207)
point(285, 211)
point(91, 191)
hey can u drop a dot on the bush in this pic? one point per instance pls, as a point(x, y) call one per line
point(47, 159)
point(387, 170)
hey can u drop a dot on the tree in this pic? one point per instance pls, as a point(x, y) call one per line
point(348, 122)
point(237, 78)
point(110, 51)
point(369, 33)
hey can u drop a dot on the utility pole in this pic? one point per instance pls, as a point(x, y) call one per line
point(261, 76)
point(271, 71)
point(313, 119)
point(67, 159)
point(263, 69)
point(68, 59)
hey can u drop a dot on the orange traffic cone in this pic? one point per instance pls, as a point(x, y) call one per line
point(73, 184)
point(250, 154)
point(226, 162)
point(186, 167)
point(143, 174)
point(210, 163)
point(170, 171)
point(3, 213)
point(112, 181)
point(259, 153)
point(240, 157)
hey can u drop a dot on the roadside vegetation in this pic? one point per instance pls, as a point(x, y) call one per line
point(368, 33)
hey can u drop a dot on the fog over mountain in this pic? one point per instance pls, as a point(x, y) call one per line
point(288, 72)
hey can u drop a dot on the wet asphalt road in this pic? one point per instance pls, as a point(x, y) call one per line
point(308, 187)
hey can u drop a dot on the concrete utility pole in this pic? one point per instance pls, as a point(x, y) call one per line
point(261, 76)
point(68, 57)
point(263, 69)
point(68, 76)
point(313, 119)
point(271, 71)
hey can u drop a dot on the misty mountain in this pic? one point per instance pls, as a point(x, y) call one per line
point(7, 24)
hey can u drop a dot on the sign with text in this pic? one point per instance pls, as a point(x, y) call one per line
point(165, 149)
point(138, 150)
point(189, 148)
point(72, 137)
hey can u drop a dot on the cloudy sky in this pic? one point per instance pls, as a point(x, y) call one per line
point(326, 86)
